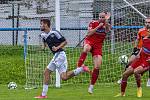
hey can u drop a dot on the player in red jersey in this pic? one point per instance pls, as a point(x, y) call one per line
point(93, 42)
point(138, 44)
point(138, 67)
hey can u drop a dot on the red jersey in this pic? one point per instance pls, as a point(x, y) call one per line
point(99, 35)
point(146, 45)
point(144, 55)
point(141, 34)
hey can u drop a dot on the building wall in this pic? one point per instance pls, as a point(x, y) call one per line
point(74, 14)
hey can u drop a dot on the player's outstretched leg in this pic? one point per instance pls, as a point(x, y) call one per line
point(83, 55)
point(82, 59)
point(69, 74)
point(126, 66)
point(125, 76)
point(81, 69)
point(138, 80)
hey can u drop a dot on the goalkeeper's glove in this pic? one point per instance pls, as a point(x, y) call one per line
point(135, 49)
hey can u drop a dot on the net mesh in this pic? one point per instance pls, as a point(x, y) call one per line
point(75, 17)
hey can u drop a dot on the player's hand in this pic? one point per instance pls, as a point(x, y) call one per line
point(135, 49)
point(148, 31)
point(55, 48)
point(100, 25)
point(107, 15)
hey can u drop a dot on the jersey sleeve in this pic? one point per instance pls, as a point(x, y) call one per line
point(91, 25)
point(62, 39)
point(139, 35)
point(59, 36)
point(41, 36)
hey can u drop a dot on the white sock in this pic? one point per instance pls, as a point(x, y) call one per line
point(45, 89)
point(78, 70)
point(91, 86)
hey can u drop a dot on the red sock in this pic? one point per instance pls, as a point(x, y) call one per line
point(123, 85)
point(82, 59)
point(95, 75)
point(138, 80)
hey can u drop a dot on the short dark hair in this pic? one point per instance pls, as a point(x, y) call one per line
point(46, 21)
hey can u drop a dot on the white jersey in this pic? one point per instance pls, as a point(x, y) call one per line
point(53, 38)
point(59, 60)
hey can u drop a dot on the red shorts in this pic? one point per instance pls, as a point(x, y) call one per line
point(96, 47)
point(141, 61)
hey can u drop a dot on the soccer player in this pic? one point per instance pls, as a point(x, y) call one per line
point(138, 44)
point(56, 42)
point(93, 42)
point(138, 67)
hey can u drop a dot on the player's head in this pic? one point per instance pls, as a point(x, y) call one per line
point(147, 22)
point(102, 16)
point(45, 24)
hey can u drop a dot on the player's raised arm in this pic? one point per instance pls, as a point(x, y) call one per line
point(102, 23)
point(107, 25)
point(92, 30)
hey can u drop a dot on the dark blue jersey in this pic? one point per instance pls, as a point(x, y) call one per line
point(53, 38)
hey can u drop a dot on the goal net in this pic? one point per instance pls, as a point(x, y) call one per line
point(126, 19)
point(75, 15)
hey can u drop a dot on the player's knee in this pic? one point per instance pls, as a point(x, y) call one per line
point(136, 72)
point(64, 77)
point(125, 75)
point(97, 67)
point(86, 49)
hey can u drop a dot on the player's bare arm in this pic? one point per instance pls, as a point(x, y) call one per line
point(92, 31)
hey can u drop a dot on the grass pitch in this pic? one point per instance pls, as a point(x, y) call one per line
point(73, 92)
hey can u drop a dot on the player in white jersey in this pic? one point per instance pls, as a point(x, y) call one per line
point(56, 42)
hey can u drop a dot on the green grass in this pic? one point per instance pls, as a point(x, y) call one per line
point(75, 92)
point(12, 69)
point(11, 64)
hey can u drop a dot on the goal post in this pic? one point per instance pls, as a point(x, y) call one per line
point(142, 15)
point(57, 21)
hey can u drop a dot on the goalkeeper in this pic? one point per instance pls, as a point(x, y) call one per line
point(140, 65)
point(139, 42)
point(56, 42)
point(93, 43)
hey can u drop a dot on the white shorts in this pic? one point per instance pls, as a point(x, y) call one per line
point(59, 62)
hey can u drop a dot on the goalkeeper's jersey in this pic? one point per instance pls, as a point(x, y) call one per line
point(141, 34)
point(53, 38)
